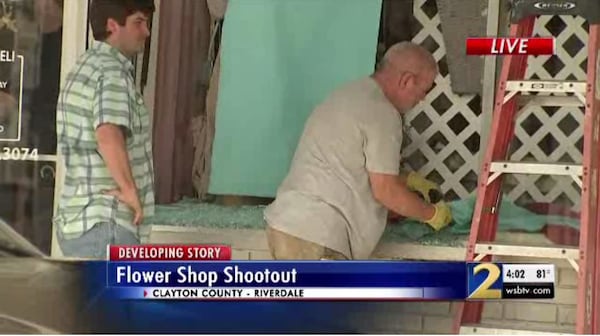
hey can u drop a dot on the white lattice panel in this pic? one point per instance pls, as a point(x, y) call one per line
point(444, 130)
point(552, 134)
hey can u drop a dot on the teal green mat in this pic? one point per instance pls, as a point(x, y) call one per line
point(512, 218)
point(280, 58)
point(193, 213)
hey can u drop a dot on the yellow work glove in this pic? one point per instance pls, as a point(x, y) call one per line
point(428, 190)
point(441, 218)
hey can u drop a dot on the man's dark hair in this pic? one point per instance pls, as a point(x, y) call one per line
point(118, 10)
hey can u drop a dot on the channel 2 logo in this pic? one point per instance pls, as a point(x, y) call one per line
point(484, 281)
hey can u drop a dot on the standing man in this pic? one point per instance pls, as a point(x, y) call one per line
point(345, 174)
point(105, 137)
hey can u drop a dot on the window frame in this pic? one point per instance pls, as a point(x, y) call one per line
point(75, 39)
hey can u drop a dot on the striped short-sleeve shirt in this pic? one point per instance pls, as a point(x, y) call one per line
point(101, 89)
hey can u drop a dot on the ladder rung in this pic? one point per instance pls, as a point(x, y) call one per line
point(568, 101)
point(551, 86)
point(527, 251)
point(491, 330)
point(536, 168)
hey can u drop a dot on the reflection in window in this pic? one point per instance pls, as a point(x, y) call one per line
point(31, 29)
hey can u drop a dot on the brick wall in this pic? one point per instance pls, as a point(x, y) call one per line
point(437, 317)
point(423, 317)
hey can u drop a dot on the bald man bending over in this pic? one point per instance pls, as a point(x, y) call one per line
point(345, 174)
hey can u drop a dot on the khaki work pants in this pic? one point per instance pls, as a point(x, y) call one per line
point(287, 247)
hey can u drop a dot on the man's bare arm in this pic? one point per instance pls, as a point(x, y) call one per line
point(111, 145)
point(391, 191)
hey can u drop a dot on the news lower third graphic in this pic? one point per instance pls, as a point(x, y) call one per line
point(510, 281)
point(207, 273)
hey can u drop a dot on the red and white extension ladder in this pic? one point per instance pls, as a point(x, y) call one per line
point(481, 245)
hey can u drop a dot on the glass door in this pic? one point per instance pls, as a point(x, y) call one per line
point(39, 39)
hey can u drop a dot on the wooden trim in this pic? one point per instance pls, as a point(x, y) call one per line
point(74, 39)
point(489, 78)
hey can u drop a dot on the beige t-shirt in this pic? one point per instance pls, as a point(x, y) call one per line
point(326, 197)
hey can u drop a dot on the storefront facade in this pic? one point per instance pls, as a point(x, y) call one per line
point(40, 41)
